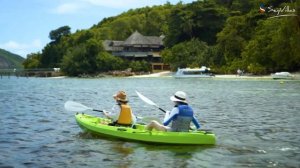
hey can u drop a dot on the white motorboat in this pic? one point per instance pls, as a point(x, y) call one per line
point(202, 72)
point(282, 75)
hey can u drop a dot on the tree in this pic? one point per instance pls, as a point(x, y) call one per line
point(82, 58)
point(275, 45)
point(32, 61)
point(286, 45)
point(121, 28)
point(107, 62)
point(51, 55)
point(75, 62)
point(53, 52)
point(138, 66)
point(156, 21)
point(230, 40)
point(56, 34)
point(175, 33)
point(200, 19)
point(192, 53)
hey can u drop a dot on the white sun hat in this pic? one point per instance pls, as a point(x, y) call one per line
point(179, 96)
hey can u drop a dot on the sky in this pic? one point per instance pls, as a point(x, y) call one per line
point(25, 24)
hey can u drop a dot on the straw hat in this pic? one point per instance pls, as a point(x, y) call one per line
point(179, 96)
point(120, 96)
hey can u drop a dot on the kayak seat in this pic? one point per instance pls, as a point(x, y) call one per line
point(115, 123)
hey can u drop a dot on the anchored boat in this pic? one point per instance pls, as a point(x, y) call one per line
point(99, 126)
point(282, 75)
point(202, 72)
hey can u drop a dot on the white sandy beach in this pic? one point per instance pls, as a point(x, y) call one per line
point(159, 74)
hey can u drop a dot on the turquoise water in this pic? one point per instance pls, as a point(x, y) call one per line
point(256, 123)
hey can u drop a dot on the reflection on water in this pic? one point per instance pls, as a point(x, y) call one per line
point(256, 123)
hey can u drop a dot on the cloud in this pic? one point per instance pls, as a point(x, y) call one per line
point(76, 6)
point(124, 3)
point(67, 8)
point(22, 48)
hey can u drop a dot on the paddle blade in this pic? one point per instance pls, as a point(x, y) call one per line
point(145, 99)
point(76, 107)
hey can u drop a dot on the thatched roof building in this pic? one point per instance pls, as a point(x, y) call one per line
point(138, 47)
point(138, 40)
point(135, 43)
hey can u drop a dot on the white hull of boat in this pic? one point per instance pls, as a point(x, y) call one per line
point(282, 75)
point(202, 72)
point(193, 76)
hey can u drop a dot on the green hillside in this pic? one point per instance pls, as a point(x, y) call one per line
point(224, 35)
point(9, 60)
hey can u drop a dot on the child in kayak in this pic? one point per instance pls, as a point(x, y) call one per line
point(126, 116)
point(181, 116)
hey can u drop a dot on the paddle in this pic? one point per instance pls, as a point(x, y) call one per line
point(148, 101)
point(77, 107)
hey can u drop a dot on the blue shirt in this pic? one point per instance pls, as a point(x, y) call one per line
point(181, 110)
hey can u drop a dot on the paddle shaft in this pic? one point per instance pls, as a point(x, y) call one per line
point(98, 110)
point(162, 110)
point(148, 101)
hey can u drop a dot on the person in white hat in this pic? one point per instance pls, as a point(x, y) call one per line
point(126, 116)
point(181, 116)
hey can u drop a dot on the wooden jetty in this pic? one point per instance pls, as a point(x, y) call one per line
point(41, 72)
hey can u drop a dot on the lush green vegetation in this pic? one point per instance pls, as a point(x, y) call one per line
point(9, 60)
point(222, 34)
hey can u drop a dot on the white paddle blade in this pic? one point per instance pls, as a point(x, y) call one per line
point(76, 107)
point(145, 99)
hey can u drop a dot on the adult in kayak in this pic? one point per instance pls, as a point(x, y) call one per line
point(126, 116)
point(181, 116)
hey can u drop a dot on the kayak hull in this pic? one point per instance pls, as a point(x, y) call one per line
point(99, 126)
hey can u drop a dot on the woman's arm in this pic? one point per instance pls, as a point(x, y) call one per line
point(113, 114)
point(169, 118)
point(196, 122)
point(133, 118)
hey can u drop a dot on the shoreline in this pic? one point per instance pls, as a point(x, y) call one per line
point(264, 77)
point(169, 74)
point(220, 76)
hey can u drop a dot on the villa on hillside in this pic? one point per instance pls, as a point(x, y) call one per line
point(138, 47)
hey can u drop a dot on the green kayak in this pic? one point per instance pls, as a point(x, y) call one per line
point(99, 126)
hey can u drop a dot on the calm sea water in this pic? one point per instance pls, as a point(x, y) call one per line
point(256, 123)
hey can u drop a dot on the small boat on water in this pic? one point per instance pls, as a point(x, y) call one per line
point(282, 75)
point(100, 127)
point(202, 72)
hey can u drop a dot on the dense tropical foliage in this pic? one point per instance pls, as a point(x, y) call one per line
point(222, 34)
